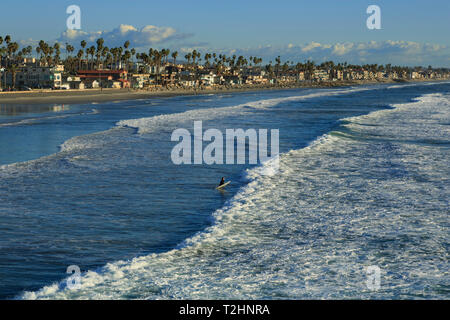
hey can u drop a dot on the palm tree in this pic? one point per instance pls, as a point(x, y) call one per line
point(174, 56)
point(39, 52)
point(194, 56)
point(113, 51)
point(109, 58)
point(269, 69)
point(91, 51)
point(79, 56)
point(69, 49)
point(12, 48)
point(166, 54)
point(13, 70)
point(56, 47)
point(126, 58)
point(119, 55)
point(99, 50)
point(277, 65)
point(133, 53)
point(2, 49)
point(105, 53)
point(83, 46)
point(157, 56)
point(207, 57)
point(188, 57)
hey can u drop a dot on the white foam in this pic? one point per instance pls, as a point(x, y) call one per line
point(415, 84)
point(152, 124)
point(310, 230)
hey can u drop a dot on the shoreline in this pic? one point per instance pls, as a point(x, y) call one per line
point(106, 95)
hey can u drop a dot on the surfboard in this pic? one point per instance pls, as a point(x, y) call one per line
point(224, 185)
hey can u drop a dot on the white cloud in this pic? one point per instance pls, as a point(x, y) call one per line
point(381, 52)
point(397, 52)
point(342, 48)
point(145, 36)
point(313, 45)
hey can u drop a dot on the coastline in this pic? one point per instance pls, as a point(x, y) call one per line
point(105, 95)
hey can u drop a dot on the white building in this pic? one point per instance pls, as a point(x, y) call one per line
point(37, 77)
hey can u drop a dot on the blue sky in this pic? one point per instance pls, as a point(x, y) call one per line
point(413, 32)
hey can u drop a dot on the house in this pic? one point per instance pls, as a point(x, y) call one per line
point(91, 84)
point(321, 75)
point(138, 80)
point(75, 83)
point(232, 79)
point(112, 84)
point(154, 69)
point(37, 77)
point(187, 83)
point(209, 78)
point(301, 76)
point(103, 77)
point(337, 75)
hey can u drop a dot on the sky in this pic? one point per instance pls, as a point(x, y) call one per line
point(413, 32)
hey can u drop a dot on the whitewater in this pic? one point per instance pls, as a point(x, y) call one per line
point(371, 192)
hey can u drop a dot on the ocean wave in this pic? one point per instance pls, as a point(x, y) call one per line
point(308, 231)
point(415, 84)
point(152, 124)
point(31, 121)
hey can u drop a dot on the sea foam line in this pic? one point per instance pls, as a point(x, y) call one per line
point(113, 276)
point(211, 233)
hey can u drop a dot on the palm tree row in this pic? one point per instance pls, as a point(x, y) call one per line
point(9, 51)
point(120, 57)
point(99, 56)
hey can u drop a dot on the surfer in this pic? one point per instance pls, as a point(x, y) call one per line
point(222, 181)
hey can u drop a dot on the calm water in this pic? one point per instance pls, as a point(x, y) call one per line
point(364, 180)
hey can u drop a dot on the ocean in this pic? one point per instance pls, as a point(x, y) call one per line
point(363, 182)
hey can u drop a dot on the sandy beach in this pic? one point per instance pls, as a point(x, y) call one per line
point(103, 95)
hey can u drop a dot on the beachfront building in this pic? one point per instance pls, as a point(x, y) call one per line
point(301, 76)
point(336, 75)
point(185, 83)
point(254, 75)
point(36, 77)
point(75, 83)
point(208, 79)
point(186, 78)
point(320, 75)
point(232, 79)
point(380, 75)
point(139, 80)
point(169, 74)
point(93, 83)
point(104, 78)
point(254, 79)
